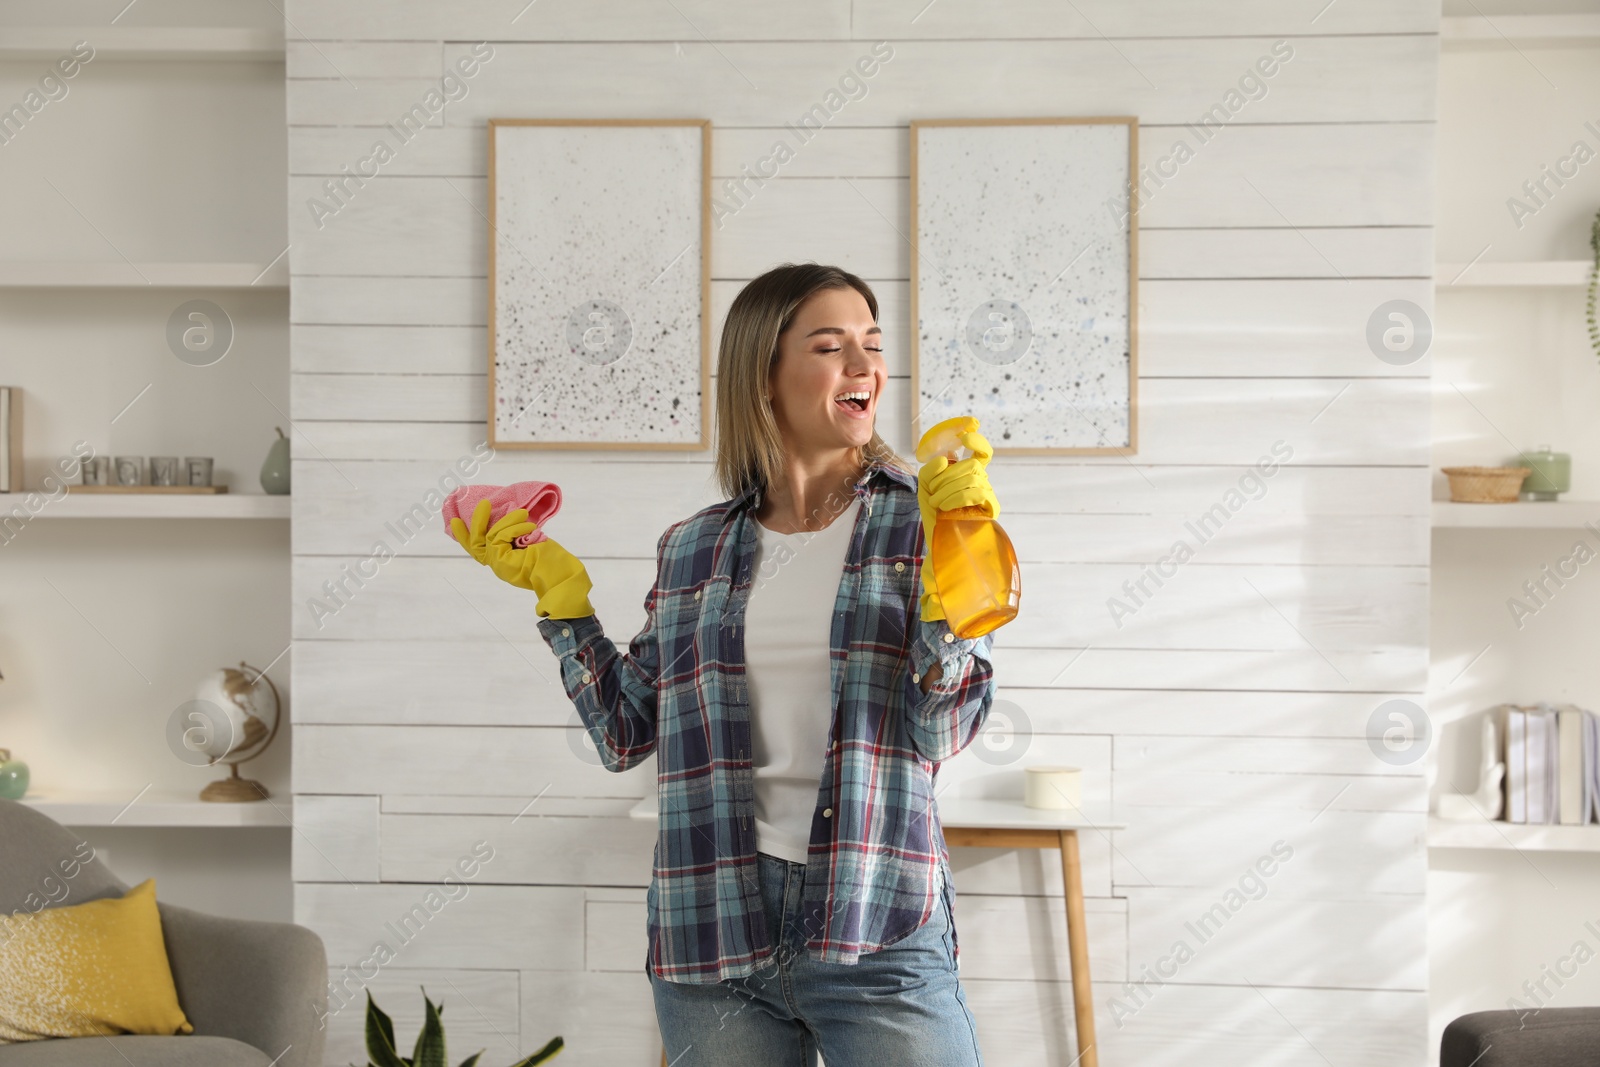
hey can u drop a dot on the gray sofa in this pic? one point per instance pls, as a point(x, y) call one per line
point(1549, 1037)
point(254, 991)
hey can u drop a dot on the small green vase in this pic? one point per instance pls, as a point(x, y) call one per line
point(1552, 473)
point(13, 776)
point(275, 471)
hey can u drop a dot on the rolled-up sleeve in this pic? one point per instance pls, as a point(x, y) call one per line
point(946, 718)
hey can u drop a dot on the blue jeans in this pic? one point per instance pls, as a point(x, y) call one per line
point(901, 1005)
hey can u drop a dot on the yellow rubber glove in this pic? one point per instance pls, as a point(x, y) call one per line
point(546, 568)
point(944, 486)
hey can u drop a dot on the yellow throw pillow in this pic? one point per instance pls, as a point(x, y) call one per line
point(95, 968)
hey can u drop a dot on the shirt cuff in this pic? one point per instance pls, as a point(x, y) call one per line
point(566, 636)
point(934, 640)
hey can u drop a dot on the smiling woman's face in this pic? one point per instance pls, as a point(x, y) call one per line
point(832, 347)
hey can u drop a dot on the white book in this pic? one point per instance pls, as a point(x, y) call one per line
point(1534, 753)
point(1516, 768)
point(1552, 763)
point(1571, 804)
point(5, 439)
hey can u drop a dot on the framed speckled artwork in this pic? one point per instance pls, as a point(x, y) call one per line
point(1024, 281)
point(599, 283)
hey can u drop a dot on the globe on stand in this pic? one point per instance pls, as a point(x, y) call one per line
point(231, 720)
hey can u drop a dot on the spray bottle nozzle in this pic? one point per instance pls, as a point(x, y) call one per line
point(945, 437)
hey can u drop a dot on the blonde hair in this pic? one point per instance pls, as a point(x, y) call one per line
point(749, 443)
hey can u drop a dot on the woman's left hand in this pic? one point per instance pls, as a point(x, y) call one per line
point(944, 486)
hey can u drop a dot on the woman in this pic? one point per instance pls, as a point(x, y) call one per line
point(799, 691)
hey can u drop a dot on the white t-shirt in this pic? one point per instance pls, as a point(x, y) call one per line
point(788, 631)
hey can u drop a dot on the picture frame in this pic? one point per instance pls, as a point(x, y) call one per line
point(1075, 172)
point(568, 364)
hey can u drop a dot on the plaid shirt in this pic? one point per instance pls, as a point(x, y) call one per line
point(877, 854)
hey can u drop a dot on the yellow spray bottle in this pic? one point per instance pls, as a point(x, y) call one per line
point(975, 570)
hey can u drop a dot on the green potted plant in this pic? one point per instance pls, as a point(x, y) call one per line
point(429, 1050)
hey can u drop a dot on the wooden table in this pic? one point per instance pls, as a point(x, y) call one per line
point(1009, 824)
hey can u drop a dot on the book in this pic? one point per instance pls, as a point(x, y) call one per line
point(1536, 769)
point(1571, 807)
point(1552, 764)
point(1512, 722)
point(10, 439)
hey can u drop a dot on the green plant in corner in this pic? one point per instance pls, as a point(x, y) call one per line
point(429, 1050)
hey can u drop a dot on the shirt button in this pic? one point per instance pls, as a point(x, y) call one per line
point(899, 566)
point(827, 813)
point(587, 676)
point(566, 631)
point(949, 637)
point(697, 594)
point(915, 678)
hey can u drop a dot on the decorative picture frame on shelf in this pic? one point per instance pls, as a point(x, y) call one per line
point(1594, 286)
point(1024, 281)
point(599, 283)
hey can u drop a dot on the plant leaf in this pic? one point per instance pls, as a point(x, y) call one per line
point(385, 1024)
point(430, 1043)
point(555, 1045)
point(380, 1037)
point(472, 1060)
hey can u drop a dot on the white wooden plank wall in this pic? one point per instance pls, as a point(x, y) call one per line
point(1227, 714)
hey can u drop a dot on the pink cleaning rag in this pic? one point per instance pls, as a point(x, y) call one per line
point(541, 500)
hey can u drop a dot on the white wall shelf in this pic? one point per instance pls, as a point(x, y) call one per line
point(1553, 272)
point(95, 274)
point(144, 42)
point(117, 274)
point(1505, 31)
point(1527, 514)
point(1536, 837)
point(156, 809)
point(161, 506)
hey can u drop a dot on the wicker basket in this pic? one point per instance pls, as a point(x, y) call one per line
point(1486, 485)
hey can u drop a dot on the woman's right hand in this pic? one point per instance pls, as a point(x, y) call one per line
point(474, 538)
point(546, 567)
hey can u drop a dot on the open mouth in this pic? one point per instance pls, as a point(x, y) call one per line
point(855, 403)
